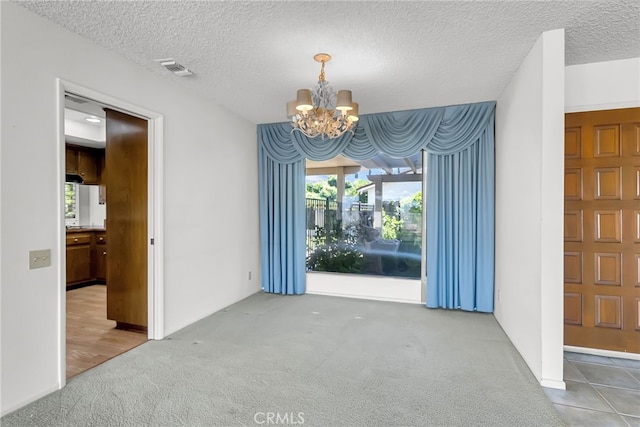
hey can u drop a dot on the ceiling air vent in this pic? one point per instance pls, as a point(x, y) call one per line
point(177, 69)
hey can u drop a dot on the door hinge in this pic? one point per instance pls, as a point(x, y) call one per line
point(152, 240)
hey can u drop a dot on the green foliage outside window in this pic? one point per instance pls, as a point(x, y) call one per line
point(337, 250)
point(343, 247)
point(70, 198)
point(328, 189)
point(415, 204)
point(391, 225)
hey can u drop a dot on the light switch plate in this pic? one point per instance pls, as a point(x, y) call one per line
point(39, 259)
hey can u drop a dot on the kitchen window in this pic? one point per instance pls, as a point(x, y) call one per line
point(71, 204)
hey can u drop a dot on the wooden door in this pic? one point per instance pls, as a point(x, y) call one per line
point(126, 188)
point(602, 230)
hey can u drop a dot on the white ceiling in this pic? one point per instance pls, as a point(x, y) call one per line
point(252, 56)
point(79, 131)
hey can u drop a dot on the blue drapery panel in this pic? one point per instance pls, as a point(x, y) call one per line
point(282, 225)
point(460, 226)
point(460, 143)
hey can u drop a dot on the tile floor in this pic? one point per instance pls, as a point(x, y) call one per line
point(601, 391)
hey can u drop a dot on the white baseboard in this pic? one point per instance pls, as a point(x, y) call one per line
point(374, 298)
point(560, 385)
point(25, 402)
point(599, 352)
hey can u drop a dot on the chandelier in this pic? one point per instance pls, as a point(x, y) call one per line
point(321, 111)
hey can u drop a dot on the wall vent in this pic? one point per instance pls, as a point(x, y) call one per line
point(173, 66)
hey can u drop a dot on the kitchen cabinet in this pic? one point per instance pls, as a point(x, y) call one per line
point(71, 160)
point(86, 257)
point(85, 162)
point(78, 258)
point(88, 167)
point(100, 256)
point(102, 191)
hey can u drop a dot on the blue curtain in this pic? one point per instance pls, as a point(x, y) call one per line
point(460, 197)
point(460, 226)
point(282, 225)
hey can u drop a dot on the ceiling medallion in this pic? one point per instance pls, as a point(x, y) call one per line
point(321, 111)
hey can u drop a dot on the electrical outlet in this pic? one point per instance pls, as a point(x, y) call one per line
point(39, 259)
point(249, 275)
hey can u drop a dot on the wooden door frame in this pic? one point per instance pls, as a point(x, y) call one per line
point(155, 220)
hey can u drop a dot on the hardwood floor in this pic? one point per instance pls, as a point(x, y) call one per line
point(91, 337)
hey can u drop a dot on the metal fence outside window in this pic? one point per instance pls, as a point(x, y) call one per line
point(328, 215)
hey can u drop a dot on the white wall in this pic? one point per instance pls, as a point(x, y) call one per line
point(92, 213)
point(80, 130)
point(603, 85)
point(363, 286)
point(97, 211)
point(210, 226)
point(1, 207)
point(83, 199)
point(529, 206)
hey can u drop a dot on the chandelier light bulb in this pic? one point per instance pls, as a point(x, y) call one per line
point(353, 114)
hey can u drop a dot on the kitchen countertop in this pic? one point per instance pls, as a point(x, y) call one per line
point(81, 228)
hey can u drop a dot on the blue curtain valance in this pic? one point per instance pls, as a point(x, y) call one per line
point(439, 130)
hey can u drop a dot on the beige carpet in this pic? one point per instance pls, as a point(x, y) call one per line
point(309, 360)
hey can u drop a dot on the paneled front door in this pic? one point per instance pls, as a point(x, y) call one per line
point(602, 230)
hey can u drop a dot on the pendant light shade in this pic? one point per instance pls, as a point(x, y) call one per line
point(304, 102)
point(344, 100)
point(291, 108)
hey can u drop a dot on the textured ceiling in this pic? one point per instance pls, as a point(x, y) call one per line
point(252, 56)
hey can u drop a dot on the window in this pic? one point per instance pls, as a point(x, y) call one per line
point(365, 217)
point(71, 204)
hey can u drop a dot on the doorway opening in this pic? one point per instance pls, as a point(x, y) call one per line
point(109, 289)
